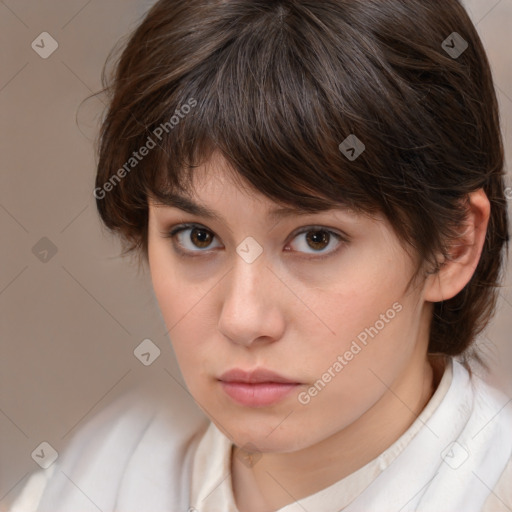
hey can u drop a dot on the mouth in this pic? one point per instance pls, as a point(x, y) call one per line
point(258, 388)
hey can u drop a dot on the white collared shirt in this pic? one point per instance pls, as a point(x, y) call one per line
point(455, 457)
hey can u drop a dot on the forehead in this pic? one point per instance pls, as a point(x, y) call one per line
point(216, 183)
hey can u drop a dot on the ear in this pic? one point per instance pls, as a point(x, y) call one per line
point(464, 254)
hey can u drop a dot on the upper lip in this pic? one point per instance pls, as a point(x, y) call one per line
point(254, 376)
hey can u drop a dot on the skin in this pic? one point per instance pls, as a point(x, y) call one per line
point(295, 316)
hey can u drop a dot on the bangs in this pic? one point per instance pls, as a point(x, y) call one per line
point(267, 103)
point(277, 89)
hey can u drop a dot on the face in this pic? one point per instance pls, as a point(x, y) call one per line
point(318, 299)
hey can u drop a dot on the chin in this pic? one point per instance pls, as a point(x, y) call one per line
point(263, 436)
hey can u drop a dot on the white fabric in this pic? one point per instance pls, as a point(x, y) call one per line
point(143, 458)
point(213, 460)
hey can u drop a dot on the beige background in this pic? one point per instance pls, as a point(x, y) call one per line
point(69, 325)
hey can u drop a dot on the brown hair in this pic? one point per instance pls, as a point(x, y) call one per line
point(275, 87)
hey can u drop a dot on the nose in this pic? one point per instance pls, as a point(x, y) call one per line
point(252, 299)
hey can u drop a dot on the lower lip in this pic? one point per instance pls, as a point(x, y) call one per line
point(257, 395)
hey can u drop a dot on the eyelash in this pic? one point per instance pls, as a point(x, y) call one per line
point(191, 254)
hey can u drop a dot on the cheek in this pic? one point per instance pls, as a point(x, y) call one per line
point(373, 327)
point(175, 293)
point(375, 339)
point(354, 375)
point(369, 304)
point(179, 302)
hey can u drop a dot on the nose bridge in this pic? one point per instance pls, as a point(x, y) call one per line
point(248, 278)
point(248, 306)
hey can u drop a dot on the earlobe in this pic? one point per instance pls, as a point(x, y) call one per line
point(464, 254)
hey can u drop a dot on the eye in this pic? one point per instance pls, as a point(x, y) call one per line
point(317, 238)
point(199, 237)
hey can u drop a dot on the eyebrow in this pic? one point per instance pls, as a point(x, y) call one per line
point(188, 205)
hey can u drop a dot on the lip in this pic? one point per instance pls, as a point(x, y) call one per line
point(257, 388)
point(256, 376)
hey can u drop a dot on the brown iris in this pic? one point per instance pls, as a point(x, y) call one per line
point(204, 237)
point(314, 238)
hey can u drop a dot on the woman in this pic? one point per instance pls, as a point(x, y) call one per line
point(317, 188)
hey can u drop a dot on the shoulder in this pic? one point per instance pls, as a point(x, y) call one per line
point(91, 468)
point(493, 406)
point(470, 458)
point(118, 423)
point(494, 413)
point(485, 397)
